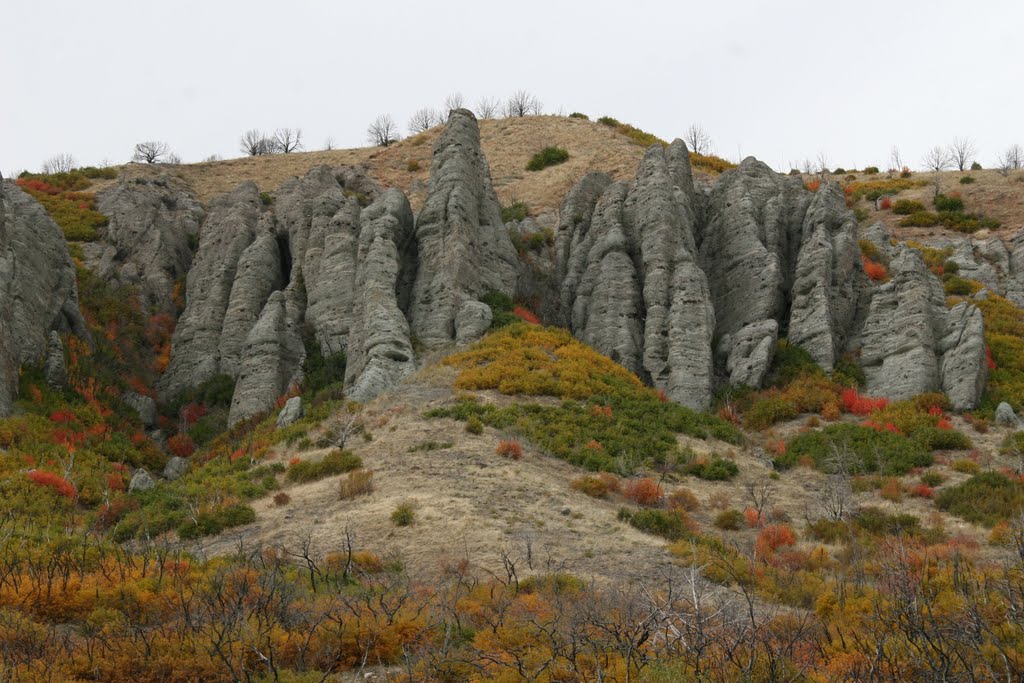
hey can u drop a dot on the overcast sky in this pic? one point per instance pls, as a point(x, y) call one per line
point(777, 80)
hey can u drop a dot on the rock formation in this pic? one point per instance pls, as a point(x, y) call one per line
point(38, 289)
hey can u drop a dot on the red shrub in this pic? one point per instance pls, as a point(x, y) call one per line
point(854, 403)
point(63, 416)
point(944, 423)
point(602, 411)
point(111, 513)
point(773, 537)
point(55, 482)
point(115, 482)
point(594, 445)
point(644, 491)
point(752, 517)
point(886, 203)
point(191, 413)
point(922, 491)
point(662, 396)
point(990, 360)
point(935, 411)
point(876, 271)
point(813, 185)
point(526, 315)
point(181, 445)
point(509, 448)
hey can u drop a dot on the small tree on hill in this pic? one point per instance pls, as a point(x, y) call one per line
point(936, 159)
point(256, 143)
point(383, 131)
point(895, 158)
point(962, 152)
point(287, 140)
point(453, 101)
point(59, 163)
point(422, 119)
point(698, 139)
point(522, 103)
point(150, 152)
point(487, 108)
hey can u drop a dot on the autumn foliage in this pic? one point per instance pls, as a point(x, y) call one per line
point(644, 491)
point(50, 480)
point(509, 448)
point(875, 271)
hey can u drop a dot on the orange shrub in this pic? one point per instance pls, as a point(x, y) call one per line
point(922, 491)
point(813, 185)
point(526, 315)
point(891, 491)
point(643, 491)
point(509, 448)
point(876, 271)
point(611, 481)
point(854, 403)
point(773, 537)
point(181, 445)
point(752, 517)
point(591, 485)
point(53, 481)
point(682, 499)
point(886, 203)
point(831, 412)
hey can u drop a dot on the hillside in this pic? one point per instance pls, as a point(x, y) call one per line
point(323, 415)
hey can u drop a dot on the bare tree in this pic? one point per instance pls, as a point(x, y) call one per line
point(895, 158)
point(1011, 159)
point(256, 143)
point(150, 152)
point(59, 163)
point(936, 159)
point(383, 131)
point(698, 139)
point(522, 103)
point(836, 498)
point(328, 143)
point(962, 151)
point(453, 101)
point(759, 493)
point(422, 119)
point(287, 140)
point(487, 108)
point(821, 163)
point(173, 158)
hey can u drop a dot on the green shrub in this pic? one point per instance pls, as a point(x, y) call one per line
point(879, 523)
point(861, 214)
point(789, 362)
point(212, 523)
point(975, 166)
point(839, 170)
point(501, 309)
point(794, 171)
point(549, 156)
point(935, 439)
point(577, 115)
point(1013, 443)
point(951, 267)
point(872, 450)
point(609, 121)
point(769, 410)
point(536, 241)
point(932, 479)
point(431, 446)
point(403, 515)
point(266, 199)
point(985, 498)
point(967, 180)
point(320, 371)
point(729, 520)
point(668, 524)
point(715, 469)
point(957, 286)
point(906, 207)
point(335, 462)
point(474, 425)
point(948, 203)
point(848, 373)
point(516, 211)
point(921, 219)
point(870, 170)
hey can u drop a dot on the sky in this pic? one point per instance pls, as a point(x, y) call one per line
point(783, 81)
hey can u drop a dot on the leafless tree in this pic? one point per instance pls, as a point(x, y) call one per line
point(821, 163)
point(151, 152)
point(962, 151)
point(759, 493)
point(287, 140)
point(173, 158)
point(256, 143)
point(212, 157)
point(422, 119)
point(895, 158)
point(936, 159)
point(59, 163)
point(487, 108)
point(453, 101)
point(807, 167)
point(383, 131)
point(345, 425)
point(329, 143)
point(1011, 159)
point(836, 497)
point(698, 139)
point(522, 103)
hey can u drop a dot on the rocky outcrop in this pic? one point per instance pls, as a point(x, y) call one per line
point(464, 249)
point(749, 352)
point(291, 412)
point(147, 241)
point(911, 344)
point(54, 369)
point(38, 289)
point(472, 321)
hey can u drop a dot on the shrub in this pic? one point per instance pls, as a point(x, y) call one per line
point(729, 520)
point(509, 448)
point(517, 211)
point(967, 180)
point(948, 203)
point(715, 469)
point(975, 166)
point(549, 156)
point(683, 499)
point(870, 170)
point(985, 498)
point(474, 425)
point(431, 446)
point(839, 170)
point(266, 199)
point(874, 451)
point(281, 498)
point(215, 521)
point(609, 121)
point(591, 485)
point(812, 185)
point(788, 363)
point(526, 315)
point(181, 445)
point(53, 481)
point(669, 524)
point(920, 219)
point(957, 286)
point(644, 491)
point(771, 409)
point(875, 271)
point(335, 462)
point(577, 115)
point(403, 515)
point(906, 207)
point(879, 523)
point(855, 403)
point(965, 466)
point(412, 166)
point(771, 538)
point(357, 483)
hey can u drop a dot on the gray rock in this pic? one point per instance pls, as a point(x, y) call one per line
point(1005, 417)
point(143, 405)
point(175, 468)
point(464, 250)
point(291, 412)
point(751, 353)
point(38, 288)
point(272, 358)
point(963, 366)
point(380, 348)
point(54, 369)
point(146, 242)
point(141, 481)
point(472, 322)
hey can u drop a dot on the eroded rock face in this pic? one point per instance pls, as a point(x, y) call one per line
point(749, 352)
point(464, 250)
point(147, 240)
point(38, 289)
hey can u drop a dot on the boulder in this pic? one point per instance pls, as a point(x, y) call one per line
point(141, 481)
point(750, 353)
point(1005, 417)
point(54, 369)
point(291, 412)
point(174, 469)
point(144, 406)
point(472, 322)
point(963, 362)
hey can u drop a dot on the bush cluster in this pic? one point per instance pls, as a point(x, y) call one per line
point(549, 156)
point(335, 462)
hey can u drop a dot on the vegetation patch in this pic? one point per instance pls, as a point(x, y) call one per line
point(986, 498)
point(549, 156)
point(335, 462)
point(867, 450)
